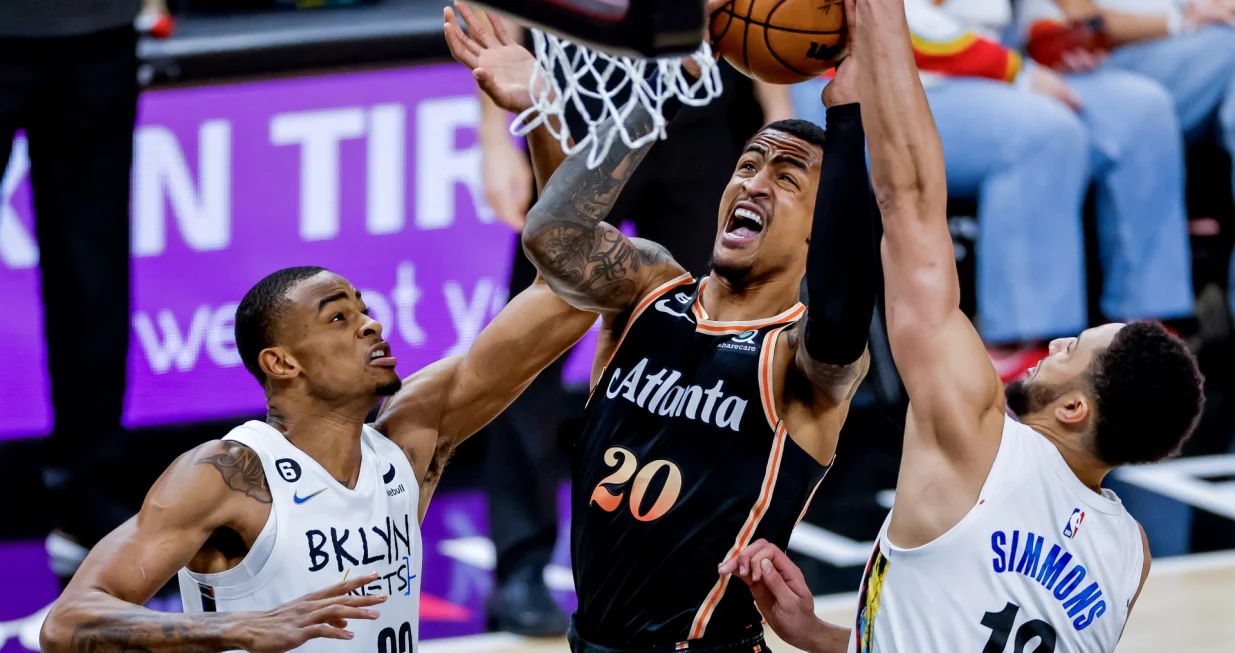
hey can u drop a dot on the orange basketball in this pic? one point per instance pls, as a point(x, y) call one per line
point(781, 41)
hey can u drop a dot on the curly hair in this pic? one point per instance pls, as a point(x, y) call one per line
point(1148, 395)
point(258, 313)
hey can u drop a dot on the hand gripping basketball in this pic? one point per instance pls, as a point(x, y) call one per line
point(321, 614)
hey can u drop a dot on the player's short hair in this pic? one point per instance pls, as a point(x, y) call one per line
point(803, 129)
point(1148, 394)
point(258, 314)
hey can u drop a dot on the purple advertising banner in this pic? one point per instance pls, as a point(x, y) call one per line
point(374, 175)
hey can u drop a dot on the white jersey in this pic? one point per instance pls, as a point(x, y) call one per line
point(319, 533)
point(1041, 563)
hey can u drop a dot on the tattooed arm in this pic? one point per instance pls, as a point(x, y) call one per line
point(218, 485)
point(587, 262)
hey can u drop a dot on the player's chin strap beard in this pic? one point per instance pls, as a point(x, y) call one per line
point(733, 275)
point(388, 389)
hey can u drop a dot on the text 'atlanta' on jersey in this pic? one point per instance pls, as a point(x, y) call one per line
point(1042, 563)
point(681, 462)
point(320, 532)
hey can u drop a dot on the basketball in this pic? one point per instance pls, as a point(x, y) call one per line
point(781, 41)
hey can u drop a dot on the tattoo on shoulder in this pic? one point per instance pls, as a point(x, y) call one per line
point(242, 472)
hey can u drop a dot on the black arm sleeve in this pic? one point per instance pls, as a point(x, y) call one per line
point(842, 267)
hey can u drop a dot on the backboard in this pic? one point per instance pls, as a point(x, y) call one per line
point(632, 28)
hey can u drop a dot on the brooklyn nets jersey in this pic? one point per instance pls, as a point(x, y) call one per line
point(682, 461)
point(319, 533)
point(1041, 563)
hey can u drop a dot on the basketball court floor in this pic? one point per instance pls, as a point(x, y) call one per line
point(1187, 606)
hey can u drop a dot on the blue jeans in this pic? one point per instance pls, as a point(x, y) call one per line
point(1198, 70)
point(1029, 160)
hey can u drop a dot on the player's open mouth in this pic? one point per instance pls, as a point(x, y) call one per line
point(379, 356)
point(745, 223)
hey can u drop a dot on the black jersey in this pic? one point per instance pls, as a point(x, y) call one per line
point(681, 463)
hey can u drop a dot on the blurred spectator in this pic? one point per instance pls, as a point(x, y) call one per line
point(671, 199)
point(68, 77)
point(1187, 46)
point(1026, 142)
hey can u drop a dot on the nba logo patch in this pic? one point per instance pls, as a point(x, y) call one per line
point(1074, 523)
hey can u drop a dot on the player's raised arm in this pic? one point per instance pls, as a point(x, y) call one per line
point(445, 403)
point(951, 382)
point(531, 332)
point(204, 490)
point(590, 263)
point(490, 48)
point(842, 263)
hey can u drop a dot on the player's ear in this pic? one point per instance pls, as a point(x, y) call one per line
point(1073, 409)
point(278, 363)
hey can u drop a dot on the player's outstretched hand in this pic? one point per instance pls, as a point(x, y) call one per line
point(322, 614)
point(502, 67)
point(780, 591)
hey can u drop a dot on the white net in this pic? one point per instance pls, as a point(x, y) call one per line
point(591, 83)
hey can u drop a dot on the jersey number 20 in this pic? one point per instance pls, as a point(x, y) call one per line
point(627, 465)
point(1001, 624)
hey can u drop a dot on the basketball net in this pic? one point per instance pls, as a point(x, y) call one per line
point(603, 78)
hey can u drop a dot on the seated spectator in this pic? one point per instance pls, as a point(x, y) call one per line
point(1188, 49)
point(1026, 142)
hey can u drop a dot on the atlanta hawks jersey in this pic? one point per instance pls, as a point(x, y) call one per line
point(681, 462)
point(319, 533)
point(1041, 563)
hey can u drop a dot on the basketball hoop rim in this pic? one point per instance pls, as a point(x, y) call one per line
point(665, 41)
